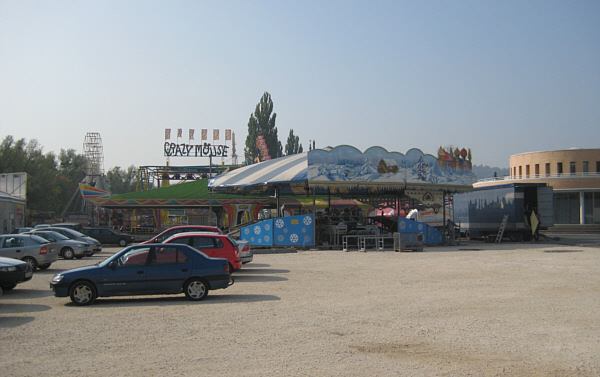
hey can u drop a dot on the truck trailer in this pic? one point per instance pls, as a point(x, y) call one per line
point(480, 212)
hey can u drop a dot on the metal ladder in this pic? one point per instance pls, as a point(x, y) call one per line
point(501, 229)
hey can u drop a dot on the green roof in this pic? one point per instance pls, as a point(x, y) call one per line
point(185, 190)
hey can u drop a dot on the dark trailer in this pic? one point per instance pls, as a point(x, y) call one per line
point(481, 211)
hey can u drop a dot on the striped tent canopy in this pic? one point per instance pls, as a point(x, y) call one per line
point(287, 170)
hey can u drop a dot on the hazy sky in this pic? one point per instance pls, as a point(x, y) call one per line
point(499, 77)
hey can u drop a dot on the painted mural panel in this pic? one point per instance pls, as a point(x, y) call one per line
point(282, 231)
point(294, 230)
point(378, 166)
point(431, 235)
point(259, 234)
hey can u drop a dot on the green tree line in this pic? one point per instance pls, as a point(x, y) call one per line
point(53, 179)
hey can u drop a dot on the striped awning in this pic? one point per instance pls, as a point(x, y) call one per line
point(287, 169)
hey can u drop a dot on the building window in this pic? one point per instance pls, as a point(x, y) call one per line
point(572, 167)
point(520, 171)
point(559, 168)
point(566, 208)
point(585, 167)
point(527, 171)
point(537, 170)
point(515, 172)
point(597, 166)
point(547, 168)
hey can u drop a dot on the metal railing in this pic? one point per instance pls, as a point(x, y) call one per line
point(541, 176)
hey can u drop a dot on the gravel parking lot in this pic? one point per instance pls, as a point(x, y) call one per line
point(529, 309)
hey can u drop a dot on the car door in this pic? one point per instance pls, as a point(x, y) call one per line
point(128, 274)
point(12, 247)
point(168, 269)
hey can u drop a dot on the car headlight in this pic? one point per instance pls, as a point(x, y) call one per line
point(57, 278)
point(8, 269)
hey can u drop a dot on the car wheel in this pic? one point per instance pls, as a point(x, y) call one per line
point(83, 293)
point(68, 253)
point(122, 242)
point(44, 266)
point(8, 287)
point(32, 262)
point(195, 289)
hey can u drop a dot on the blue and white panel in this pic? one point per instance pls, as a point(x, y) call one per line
point(411, 226)
point(431, 236)
point(294, 231)
point(259, 234)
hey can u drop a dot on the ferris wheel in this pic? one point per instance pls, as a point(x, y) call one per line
point(94, 155)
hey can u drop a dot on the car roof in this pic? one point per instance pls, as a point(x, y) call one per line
point(11, 261)
point(187, 234)
point(29, 235)
point(66, 229)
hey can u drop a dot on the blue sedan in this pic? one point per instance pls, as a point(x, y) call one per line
point(145, 270)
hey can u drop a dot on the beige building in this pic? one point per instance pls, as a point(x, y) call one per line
point(574, 175)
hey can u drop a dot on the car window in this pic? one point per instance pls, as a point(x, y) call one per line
point(232, 241)
point(13, 242)
point(134, 258)
point(58, 236)
point(166, 235)
point(105, 232)
point(169, 255)
point(204, 243)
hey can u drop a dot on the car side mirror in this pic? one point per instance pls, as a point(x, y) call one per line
point(112, 265)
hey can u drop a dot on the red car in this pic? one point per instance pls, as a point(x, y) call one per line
point(180, 229)
point(212, 244)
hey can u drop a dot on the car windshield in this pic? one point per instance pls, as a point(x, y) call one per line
point(122, 255)
point(70, 233)
point(47, 235)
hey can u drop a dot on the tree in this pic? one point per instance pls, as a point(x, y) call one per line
point(262, 123)
point(71, 165)
point(50, 185)
point(122, 181)
point(293, 145)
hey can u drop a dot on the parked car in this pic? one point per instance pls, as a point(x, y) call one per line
point(38, 226)
point(109, 236)
point(38, 252)
point(246, 254)
point(75, 235)
point(145, 270)
point(22, 230)
point(183, 228)
point(13, 272)
point(212, 244)
point(75, 226)
point(67, 248)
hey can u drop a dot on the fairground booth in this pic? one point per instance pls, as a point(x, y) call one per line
point(325, 197)
point(346, 195)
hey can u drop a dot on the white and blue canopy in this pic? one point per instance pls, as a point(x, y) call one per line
point(282, 170)
point(347, 169)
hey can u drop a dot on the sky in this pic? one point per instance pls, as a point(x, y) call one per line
point(498, 77)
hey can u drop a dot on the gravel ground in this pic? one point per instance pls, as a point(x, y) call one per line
point(471, 310)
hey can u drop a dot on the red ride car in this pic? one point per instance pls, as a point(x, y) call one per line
point(212, 244)
point(180, 229)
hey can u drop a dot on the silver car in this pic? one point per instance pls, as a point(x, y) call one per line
point(75, 235)
point(67, 248)
point(35, 250)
